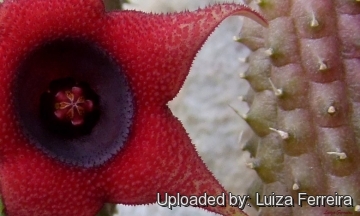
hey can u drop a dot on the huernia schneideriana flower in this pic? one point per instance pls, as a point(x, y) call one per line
point(83, 116)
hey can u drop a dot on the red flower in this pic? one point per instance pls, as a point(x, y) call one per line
point(83, 114)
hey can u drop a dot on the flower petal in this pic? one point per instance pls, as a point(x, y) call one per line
point(157, 50)
point(160, 158)
point(32, 184)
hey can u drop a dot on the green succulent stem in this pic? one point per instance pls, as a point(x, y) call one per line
point(107, 210)
point(114, 4)
point(304, 101)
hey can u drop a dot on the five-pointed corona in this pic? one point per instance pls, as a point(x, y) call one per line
point(71, 105)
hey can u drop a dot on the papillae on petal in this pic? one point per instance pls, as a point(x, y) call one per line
point(160, 48)
point(162, 162)
point(159, 53)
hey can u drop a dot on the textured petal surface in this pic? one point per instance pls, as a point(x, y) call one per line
point(161, 162)
point(162, 56)
point(159, 49)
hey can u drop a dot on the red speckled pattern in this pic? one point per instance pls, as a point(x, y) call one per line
point(155, 52)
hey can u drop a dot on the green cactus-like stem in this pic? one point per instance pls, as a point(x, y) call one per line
point(114, 4)
point(304, 72)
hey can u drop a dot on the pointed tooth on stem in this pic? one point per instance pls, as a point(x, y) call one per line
point(252, 165)
point(269, 52)
point(243, 116)
point(278, 92)
point(340, 155)
point(242, 75)
point(322, 65)
point(314, 22)
point(243, 60)
point(242, 98)
point(240, 138)
point(296, 186)
point(284, 135)
point(357, 208)
point(331, 110)
point(236, 38)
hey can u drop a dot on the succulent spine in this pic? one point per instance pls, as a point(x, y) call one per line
point(304, 99)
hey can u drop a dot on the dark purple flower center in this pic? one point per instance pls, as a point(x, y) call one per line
point(73, 102)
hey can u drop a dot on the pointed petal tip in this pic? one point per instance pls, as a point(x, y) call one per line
point(244, 10)
point(252, 14)
point(239, 10)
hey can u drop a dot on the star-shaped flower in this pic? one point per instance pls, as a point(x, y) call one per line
point(83, 114)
